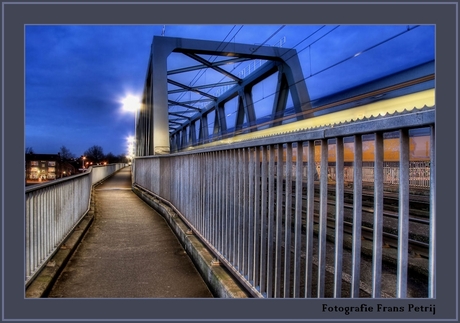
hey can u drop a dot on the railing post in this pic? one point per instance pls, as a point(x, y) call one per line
point(339, 212)
point(309, 217)
point(288, 221)
point(298, 218)
point(322, 219)
point(432, 250)
point(378, 216)
point(357, 215)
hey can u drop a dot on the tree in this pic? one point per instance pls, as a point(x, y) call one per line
point(65, 153)
point(122, 159)
point(29, 150)
point(111, 158)
point(94, 154)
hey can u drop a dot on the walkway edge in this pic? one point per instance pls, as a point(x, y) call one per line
point(45, 279)
point(219, 280)
point(43, 283)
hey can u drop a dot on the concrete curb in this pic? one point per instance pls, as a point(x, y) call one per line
point(219, 280)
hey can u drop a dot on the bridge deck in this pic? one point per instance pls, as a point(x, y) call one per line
point(129, 252)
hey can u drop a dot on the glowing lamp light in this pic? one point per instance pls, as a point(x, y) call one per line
point(131, 103)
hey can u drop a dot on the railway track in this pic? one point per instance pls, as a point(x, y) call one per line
point(419, 201)
point(418, 238)
point(417, 261)
point(419, 205)
point(418, 249)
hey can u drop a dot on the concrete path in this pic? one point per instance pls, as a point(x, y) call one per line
point(129, 252)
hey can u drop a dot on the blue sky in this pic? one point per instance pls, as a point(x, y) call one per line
point(77, 75)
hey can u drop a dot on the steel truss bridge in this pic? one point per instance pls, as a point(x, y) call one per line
point(233, 184)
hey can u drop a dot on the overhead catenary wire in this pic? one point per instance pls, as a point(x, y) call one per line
point(337, 63)
point(235, 67)
point(408, 29)
point(202, 72)
point(270, 37)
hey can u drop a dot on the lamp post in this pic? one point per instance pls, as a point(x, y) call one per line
point(83, 161)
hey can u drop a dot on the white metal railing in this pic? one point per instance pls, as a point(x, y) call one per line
point(53, 210)
point(233, 200)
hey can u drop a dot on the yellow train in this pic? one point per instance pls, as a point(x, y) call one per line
point(419, 138)
point(419, 148)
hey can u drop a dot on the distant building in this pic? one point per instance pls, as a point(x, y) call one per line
point(47, 167)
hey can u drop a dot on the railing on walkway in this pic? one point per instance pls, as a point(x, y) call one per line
point(53, 210)
point(232, 199)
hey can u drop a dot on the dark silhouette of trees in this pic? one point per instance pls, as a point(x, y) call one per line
point(122, 159)
point(94, 154)
point(111, 158)
point(65, 153)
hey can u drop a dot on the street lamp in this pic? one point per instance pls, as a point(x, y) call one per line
point(83, 161)
point(131, 141)
point(131, 104)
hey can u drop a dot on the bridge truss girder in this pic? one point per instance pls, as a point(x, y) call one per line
point(156, 133)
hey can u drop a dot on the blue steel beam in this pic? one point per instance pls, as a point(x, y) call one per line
point(212, 64)
point(152, 131)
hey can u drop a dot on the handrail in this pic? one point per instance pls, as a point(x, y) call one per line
point(53, 210)
point(234, 195)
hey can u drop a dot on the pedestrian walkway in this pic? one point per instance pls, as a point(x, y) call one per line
point(129, 252)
